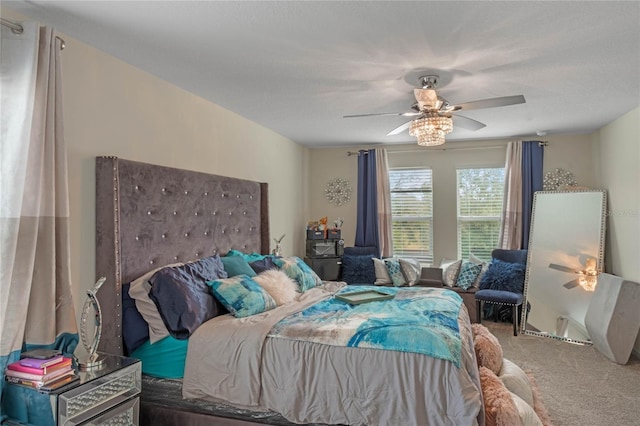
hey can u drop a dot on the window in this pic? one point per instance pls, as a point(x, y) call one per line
point(412, 214)
point(480, 193)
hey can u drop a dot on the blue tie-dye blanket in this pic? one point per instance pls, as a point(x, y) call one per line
point(420, 320)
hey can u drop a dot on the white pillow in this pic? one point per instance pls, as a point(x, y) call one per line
point(382, 275)
point(411, 270)
point(473, 258)
point(279, 286)
point(516, 380)
point(526, 412)
point(450, 270)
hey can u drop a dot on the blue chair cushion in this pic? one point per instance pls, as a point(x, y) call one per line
point(499, 296)
point(504, 276)
point(510, 255)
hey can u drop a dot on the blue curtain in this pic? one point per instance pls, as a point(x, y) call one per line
point(367, 218)
point(532, 180)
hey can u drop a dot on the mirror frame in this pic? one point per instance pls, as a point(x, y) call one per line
point(533, 235)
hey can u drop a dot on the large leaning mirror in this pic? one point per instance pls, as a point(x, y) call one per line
point(566, 254)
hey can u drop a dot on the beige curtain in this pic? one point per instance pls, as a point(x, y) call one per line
point(511, 226)
point(36, 303)
point(384, 203)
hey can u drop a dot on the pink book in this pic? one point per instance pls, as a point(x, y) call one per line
point(38, 377)
point(40, 363)
point(18, 366)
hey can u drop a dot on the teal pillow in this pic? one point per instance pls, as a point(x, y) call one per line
point(237, 265)
point(296, 269)
point(242, 296)
point(249, 257)
point(469, 271)
point(395, 271)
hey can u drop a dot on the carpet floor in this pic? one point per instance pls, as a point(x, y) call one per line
point(579, 386)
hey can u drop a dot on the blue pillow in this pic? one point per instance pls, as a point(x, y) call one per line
point(358, 269)
point(504, 276)
point(237, 265)
point(182, 296)
point(135, 330)
point(242, 296)
point(296, 269)
point(263, 264)
point(469, 271)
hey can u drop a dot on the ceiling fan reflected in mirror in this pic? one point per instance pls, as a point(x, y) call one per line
point(587, 277)
point(434, 115)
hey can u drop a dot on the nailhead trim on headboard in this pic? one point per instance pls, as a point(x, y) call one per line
point(149, 216)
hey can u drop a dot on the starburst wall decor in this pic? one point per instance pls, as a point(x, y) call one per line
point(557, 179)
point(338, 191)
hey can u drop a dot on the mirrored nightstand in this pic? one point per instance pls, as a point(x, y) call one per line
point(109, 396)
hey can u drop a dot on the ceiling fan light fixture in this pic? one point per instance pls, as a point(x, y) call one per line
point(431, 130)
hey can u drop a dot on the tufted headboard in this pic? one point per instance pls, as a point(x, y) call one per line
point(148, 216)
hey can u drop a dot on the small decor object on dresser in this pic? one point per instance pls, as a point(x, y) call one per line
point(93, 360)
point(277, 251)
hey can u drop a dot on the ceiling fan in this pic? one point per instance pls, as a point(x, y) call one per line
point(433, 113)
point(587, 277)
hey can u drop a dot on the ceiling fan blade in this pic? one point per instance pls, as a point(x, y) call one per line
point(562, 268)
point(493, 102)
point(401, 114)
point(401, 128)
point(467, 123)
point(572, 284)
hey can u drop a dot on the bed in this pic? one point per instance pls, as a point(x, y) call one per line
point(148, 216)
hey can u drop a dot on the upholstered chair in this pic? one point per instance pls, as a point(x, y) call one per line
point(503, 283)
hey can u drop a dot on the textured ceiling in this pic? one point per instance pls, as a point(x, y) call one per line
point(299, 67)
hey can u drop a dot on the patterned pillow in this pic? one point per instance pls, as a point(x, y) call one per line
point(242, 296)
point(469, 271)
point(296, 269)
point(410, 270)
point(450, 270)
point(393, 268)
point(382, 275)
point(358, 269)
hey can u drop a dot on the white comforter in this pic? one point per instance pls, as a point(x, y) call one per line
point(233, 361)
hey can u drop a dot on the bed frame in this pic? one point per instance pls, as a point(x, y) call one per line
point(148, 216)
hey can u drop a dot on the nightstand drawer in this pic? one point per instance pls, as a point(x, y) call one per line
point(125, 414)
point(99, 395)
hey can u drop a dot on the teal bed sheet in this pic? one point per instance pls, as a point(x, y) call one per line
point(164, 359)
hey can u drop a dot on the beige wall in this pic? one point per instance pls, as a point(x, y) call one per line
point(617, 146)
point(112, 108)
point(573, 153)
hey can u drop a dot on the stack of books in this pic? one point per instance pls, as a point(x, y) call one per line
point(44, 374)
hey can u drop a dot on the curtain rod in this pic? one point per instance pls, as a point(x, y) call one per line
point(16, 28)
point(350, 153)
